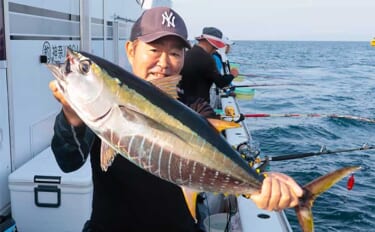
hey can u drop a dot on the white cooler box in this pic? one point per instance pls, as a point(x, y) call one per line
point(43, 198)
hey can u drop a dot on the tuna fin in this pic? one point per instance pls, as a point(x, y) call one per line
point(221, 125)
point(107, 155)
point(313, 190)
point(168, 84)
point(191, 200)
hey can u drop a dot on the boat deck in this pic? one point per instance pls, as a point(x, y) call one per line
point(250, 216)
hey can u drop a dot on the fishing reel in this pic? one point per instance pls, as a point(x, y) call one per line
point(249, 153)
point(231, 113)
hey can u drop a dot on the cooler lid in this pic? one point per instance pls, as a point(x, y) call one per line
point(44, 164)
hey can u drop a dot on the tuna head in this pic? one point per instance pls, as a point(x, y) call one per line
point(81, 83)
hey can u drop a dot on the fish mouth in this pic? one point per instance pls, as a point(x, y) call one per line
point(57, 72)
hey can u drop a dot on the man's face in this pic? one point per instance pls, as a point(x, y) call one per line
point(158, 59)
point(211, 49)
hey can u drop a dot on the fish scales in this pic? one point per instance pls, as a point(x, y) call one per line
point(164, 163)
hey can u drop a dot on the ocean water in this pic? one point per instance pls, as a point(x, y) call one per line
point(333, 78)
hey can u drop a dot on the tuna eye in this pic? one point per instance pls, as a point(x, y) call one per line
point(84, 66)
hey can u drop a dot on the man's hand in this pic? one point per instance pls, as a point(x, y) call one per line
point(278, 192)
point(234, 72)
point(69, 113)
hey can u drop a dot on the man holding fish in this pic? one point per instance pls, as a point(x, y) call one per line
point(126, 197)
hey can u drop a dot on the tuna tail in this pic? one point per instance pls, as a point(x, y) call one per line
point(313, 190)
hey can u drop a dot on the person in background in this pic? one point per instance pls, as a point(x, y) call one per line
point(125, 197)
point(223, 64)
point(221, 58)
point(199, 71)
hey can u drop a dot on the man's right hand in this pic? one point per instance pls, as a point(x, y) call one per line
point(69, 113)
point(278, 192)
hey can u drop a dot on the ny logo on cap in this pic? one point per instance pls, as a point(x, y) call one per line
point(169, 19)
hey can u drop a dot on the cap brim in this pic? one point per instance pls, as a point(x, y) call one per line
point(154, 36)
point(217, 43)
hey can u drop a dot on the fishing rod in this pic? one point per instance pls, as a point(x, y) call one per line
point(254, 75)
point(312, 115)
point(248, 75)
point(260, 85)
point(323, 151)
point(240, 63)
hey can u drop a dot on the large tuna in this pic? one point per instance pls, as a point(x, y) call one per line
point(141, 122)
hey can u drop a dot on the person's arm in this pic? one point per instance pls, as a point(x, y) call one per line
point(226, 79)
point(70, 145)
point(200, 106)
point(212, 73)
point(72, 139)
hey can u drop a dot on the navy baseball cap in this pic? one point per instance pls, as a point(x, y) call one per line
point(158, 22)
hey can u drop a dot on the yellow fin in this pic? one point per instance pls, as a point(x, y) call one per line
point(191, 200)
point(168, 84)
point(312, 190)
point(107, 155)
point(221, 125)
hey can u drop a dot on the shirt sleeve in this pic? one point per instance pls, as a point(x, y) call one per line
point(212, 73)
point(200, 106)
point(70, 145)
point(222, 80)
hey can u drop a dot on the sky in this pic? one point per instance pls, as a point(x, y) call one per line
point(311, 20)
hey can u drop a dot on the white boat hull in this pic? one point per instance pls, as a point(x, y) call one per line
point(251, 218)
